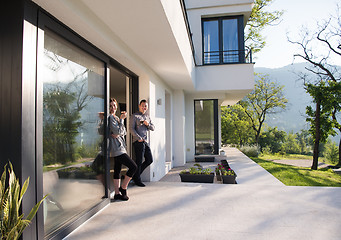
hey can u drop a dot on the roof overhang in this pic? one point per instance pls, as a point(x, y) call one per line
point(148, 37)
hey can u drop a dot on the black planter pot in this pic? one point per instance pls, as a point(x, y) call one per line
point(198, 178)
point(204, 159)
point(229, 179)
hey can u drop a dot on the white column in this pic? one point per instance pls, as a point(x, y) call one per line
point(179, 143)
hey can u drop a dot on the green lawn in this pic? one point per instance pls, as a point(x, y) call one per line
point(299, 176)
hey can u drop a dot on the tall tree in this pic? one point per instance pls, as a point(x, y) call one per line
point(259, 19)
point(267, 98)
point(320, 48)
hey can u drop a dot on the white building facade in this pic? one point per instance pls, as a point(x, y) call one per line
point(185, 57)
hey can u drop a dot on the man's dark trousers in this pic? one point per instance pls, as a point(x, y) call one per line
point(142, 149)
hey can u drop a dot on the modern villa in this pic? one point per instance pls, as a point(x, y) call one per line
point(61, 62)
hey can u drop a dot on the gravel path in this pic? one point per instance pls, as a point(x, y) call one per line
point(299, 162)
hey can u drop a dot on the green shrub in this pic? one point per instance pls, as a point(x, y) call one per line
point(250, 150)
point(266, 150)
point(331, 152)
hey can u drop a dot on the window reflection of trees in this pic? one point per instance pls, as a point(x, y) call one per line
point(204, 127)
point(63, 102)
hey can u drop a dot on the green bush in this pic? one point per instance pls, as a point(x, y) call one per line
point(250, 150)
point(331, 152)
point(266, 150)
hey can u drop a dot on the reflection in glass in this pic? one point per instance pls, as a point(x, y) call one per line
point(211, 42)
point(204, 127)
point(73, 106)
point(230, 41)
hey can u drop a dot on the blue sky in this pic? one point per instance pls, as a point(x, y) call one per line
point(278, 52)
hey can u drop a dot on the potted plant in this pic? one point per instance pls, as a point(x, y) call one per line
point(224, 163)
point(12, 223)
point(197, 174)
point(228, 176)
point(218, 172)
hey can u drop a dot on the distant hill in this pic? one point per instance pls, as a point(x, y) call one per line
point(293, 118)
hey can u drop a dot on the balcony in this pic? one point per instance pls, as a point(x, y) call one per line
point(228, 56)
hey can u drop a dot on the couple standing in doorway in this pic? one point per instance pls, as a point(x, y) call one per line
point(140, 123)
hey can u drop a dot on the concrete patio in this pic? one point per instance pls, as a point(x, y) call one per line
point(258, 207)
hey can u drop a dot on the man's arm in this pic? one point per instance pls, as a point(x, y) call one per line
point(151, 126)
point(132, 127)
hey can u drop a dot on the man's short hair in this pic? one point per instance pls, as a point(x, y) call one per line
point(143, 101)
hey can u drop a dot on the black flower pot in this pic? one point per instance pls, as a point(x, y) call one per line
point(229, 179)
point(198, 178)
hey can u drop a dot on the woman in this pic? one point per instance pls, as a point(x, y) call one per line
point(118, 150)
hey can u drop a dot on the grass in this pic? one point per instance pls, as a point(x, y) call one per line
point(299, 176)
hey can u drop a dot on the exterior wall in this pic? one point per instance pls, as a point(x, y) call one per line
point(179, 140)
point(176, 20)
point(190, 128)
point(229, 77)
point(157, 111)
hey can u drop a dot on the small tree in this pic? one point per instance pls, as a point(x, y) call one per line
point(267, 98)
point(321, 124)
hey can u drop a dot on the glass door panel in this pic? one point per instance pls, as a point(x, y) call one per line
point(73, 109)
point(205, 127)
point(211, 42)
point(230, 41)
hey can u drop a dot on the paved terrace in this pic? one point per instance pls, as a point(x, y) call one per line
point(258, 207)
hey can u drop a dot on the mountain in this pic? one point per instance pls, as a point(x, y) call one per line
point(293, 118)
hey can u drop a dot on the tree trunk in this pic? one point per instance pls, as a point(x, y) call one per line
point(317, 135)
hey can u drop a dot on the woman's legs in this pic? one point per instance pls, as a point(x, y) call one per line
point(117, 170)
point(116, 186)
point(125, 182)
point(127, 161)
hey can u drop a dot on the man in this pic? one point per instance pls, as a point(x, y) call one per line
point(140, 124)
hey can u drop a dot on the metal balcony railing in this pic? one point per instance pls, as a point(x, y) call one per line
point(229, 56)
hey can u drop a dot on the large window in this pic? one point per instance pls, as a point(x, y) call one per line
point(73, 102)
point(223, 40)
point(206, 127)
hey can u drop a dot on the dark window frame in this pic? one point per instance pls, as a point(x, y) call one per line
point(241, 43)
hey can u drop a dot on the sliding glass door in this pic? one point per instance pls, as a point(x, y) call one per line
point(73, 98)
point(206, 127)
